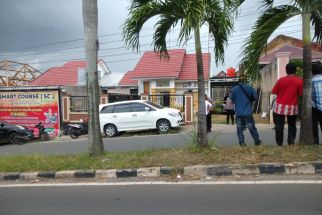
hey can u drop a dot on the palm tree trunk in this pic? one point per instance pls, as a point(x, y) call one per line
point(90, 21)
point(202, 130)
point(306, 135)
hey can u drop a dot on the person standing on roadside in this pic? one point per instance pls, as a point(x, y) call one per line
point(230, 110)
point(316, 100)
point(242, 96)
point(208, 106)
point(287, 89)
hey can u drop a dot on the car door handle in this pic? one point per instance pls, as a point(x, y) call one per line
point(114, 116)
point(134, 115)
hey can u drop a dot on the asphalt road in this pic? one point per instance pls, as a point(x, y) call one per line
point(224, 135)
point(295, 199)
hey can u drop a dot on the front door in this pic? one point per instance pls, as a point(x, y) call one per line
point(141, 117)
point(146, 87)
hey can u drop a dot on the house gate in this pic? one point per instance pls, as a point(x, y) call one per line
point(168, 100)
point(115, 97)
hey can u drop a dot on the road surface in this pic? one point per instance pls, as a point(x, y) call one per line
point(266, 199)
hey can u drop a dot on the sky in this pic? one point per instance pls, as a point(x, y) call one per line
point(45, 34)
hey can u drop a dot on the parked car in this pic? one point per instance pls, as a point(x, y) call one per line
point(14, 134)
point(137, 115)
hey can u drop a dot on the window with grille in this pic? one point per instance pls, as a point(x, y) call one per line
point(78, 104)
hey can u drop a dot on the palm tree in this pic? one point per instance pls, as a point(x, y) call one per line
point(190, 15)
point(91, 48)
point(269, 20)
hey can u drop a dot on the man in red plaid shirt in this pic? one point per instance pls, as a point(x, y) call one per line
point(287, 90)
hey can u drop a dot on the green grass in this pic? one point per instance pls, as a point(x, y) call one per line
point(165, 157)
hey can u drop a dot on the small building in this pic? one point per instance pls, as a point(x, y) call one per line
point(176, 75)
point(71, 78)
point(279, 52)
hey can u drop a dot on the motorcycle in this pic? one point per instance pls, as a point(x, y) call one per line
point(76, 130)
point(42, 133)
point(23, 136)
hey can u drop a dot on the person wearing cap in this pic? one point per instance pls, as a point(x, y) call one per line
point(243, 96)
point(287, 89)
point(316, 100)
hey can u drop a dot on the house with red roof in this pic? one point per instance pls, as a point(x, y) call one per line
point(72, 73)
point(279, 52)
point(71, 78)
point(174, 75)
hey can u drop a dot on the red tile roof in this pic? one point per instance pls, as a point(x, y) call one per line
point(189, 67)
point(66, 75)
point(180, 66)
point(151, 65)
point(128, 80)
point(295, 53)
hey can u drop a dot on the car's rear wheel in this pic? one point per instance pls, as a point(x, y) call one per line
point(110, 130)
point(163, 126)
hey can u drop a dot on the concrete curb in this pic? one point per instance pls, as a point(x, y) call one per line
point(295, 168)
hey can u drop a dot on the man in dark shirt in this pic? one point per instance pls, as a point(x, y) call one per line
point(242, 96)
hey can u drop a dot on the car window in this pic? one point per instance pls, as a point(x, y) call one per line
point(122, 108)
point(138, 107)
point(154, 105)
point(108, 109)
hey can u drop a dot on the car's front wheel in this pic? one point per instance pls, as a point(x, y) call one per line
point(110, 130)
point(163, 126)
point(12, 139)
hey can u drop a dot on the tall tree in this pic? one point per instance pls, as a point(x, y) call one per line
point(270, 19)
point(190, 15)
point(90, 21)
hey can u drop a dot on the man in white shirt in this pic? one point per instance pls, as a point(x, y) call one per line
point(208, 106)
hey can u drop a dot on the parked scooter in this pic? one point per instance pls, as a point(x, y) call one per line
point(43, 134)
point(22, 136)
point(76, 130)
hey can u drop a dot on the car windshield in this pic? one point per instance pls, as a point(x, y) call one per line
point(154, 105)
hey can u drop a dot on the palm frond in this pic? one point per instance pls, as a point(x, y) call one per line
point(220, 20)
point(139, 3)
point(220, 28)
point(316, 20)
point(163, 26)
point(266, 24)
point(134, 23)
point(266, 4)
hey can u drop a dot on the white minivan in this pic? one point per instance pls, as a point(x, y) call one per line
point(137, 115)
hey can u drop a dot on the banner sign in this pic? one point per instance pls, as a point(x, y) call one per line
point(28, 108)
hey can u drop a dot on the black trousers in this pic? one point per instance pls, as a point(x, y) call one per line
point(208, 118)
point(230, 113)
point(316, 119)
point(279, 129)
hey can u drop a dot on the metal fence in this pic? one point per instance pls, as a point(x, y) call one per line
point(78, 104)
point(115, 97)
point(168, 100)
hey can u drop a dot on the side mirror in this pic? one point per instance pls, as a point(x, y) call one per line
point(147, 109)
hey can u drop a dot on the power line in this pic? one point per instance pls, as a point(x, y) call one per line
point(107, 35)
point(115, 61)
point(116, 48)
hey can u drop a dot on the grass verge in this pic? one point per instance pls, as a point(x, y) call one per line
point(164, 157)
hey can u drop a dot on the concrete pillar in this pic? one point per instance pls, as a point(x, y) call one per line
point(188, 112)
point(144, 96)
point(282, 58)
point(104, 99)
point(66, 108)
